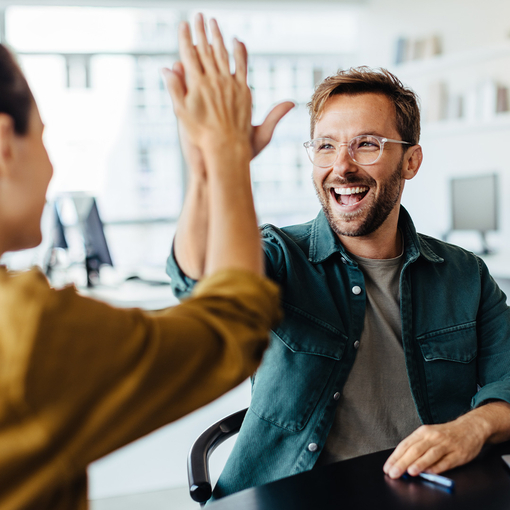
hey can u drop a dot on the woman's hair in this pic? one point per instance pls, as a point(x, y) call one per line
point(360, 80)
point(16, 98)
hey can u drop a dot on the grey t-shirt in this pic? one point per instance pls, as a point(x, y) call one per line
point(376, 409)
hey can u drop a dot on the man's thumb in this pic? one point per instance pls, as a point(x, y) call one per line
point(262, 134)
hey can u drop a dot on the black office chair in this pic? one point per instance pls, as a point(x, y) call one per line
point(199, 481)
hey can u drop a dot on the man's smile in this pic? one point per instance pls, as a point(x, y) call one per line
point(349, 196)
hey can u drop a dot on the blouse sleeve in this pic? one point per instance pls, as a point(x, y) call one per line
point(93, 378)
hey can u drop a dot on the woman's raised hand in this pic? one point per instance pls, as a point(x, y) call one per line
point(218, 226)
point(212, 104)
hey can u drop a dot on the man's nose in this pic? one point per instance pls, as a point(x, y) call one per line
point(343, 163)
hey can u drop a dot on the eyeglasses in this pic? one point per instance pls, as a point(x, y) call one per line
point(363, 149)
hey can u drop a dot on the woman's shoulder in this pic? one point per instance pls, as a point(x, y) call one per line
point(24, 288)
point(11, 280)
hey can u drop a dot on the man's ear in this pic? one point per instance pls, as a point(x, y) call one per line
point(412, 162)
point(7, 140)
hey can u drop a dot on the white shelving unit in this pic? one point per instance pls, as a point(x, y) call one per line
point(472, 143)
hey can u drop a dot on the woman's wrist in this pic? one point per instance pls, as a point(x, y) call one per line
point(219, 153)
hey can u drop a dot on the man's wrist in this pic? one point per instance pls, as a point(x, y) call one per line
point(483, 425)
point(485, 420)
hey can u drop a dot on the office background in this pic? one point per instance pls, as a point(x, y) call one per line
point(94, 69)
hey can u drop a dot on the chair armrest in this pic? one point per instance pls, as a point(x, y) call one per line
point(199, 480)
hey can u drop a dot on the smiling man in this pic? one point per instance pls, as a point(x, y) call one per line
point(390, 338)
point(357, 189)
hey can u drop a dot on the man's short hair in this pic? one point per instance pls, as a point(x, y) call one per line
point(360, 80)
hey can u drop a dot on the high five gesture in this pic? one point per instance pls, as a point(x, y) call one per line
point(213, 107)
point(207, 65)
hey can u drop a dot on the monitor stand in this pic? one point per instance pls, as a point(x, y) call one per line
point(485, 247)
point(485, 250)
point(92, 265)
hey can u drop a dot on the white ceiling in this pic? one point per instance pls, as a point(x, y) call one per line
point(187, 4)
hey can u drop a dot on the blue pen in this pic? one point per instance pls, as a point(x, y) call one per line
point(437, 479)
point(440, 480)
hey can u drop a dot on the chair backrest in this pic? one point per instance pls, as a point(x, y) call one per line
point(199, 481)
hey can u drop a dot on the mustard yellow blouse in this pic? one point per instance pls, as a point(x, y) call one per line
point(79, 378)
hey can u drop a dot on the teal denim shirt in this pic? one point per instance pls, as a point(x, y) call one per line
point(455, 334)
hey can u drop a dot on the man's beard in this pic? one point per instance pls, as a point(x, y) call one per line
point(389, 193)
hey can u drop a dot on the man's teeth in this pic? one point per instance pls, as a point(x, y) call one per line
point(351, 191)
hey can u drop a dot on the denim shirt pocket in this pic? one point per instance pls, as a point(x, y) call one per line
point(296, 369)
point(450, 369)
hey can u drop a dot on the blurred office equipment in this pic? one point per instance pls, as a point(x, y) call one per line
point(77, 227)
point(91, 226)
point(58, 242)
point(474, 205)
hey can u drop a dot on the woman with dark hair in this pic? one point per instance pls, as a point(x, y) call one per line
point(79, 378)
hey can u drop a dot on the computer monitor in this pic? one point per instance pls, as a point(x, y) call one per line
point(58, 240)
point(77, 213)
point(58, 235)
point(475, 205)
point(91, 226)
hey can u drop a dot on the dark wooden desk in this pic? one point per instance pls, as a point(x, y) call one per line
point(483, 484)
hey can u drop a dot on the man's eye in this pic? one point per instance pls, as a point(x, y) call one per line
point(367, 145)
point(325, 147)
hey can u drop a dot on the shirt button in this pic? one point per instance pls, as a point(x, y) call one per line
point(313, 447)
point(356, 290)
point(336, 396)
point(356, 344)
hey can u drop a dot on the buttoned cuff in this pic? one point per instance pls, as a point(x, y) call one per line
point(182, 285)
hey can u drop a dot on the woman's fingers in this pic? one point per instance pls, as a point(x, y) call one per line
point(241, 60)
point(178, 70)
point(220, 52)
point(204, 49)
point(207, 58)
point(176, 87)
point(209, 101)
point(189, 56)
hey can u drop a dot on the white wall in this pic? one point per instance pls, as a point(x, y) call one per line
point(475, 39)
point(462, 24)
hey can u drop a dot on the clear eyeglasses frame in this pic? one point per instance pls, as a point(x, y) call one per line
point(363, 149)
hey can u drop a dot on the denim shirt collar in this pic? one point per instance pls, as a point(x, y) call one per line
point(324, 242)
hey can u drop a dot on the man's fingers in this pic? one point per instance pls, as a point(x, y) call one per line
point(398, 452)
point(403, 447)
point(187, 51)
point(429, 458)
point(445, 463)
point(220, 52)
point(406, 453)
point(262, 134)
point(410, 457)
point(431, 447)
